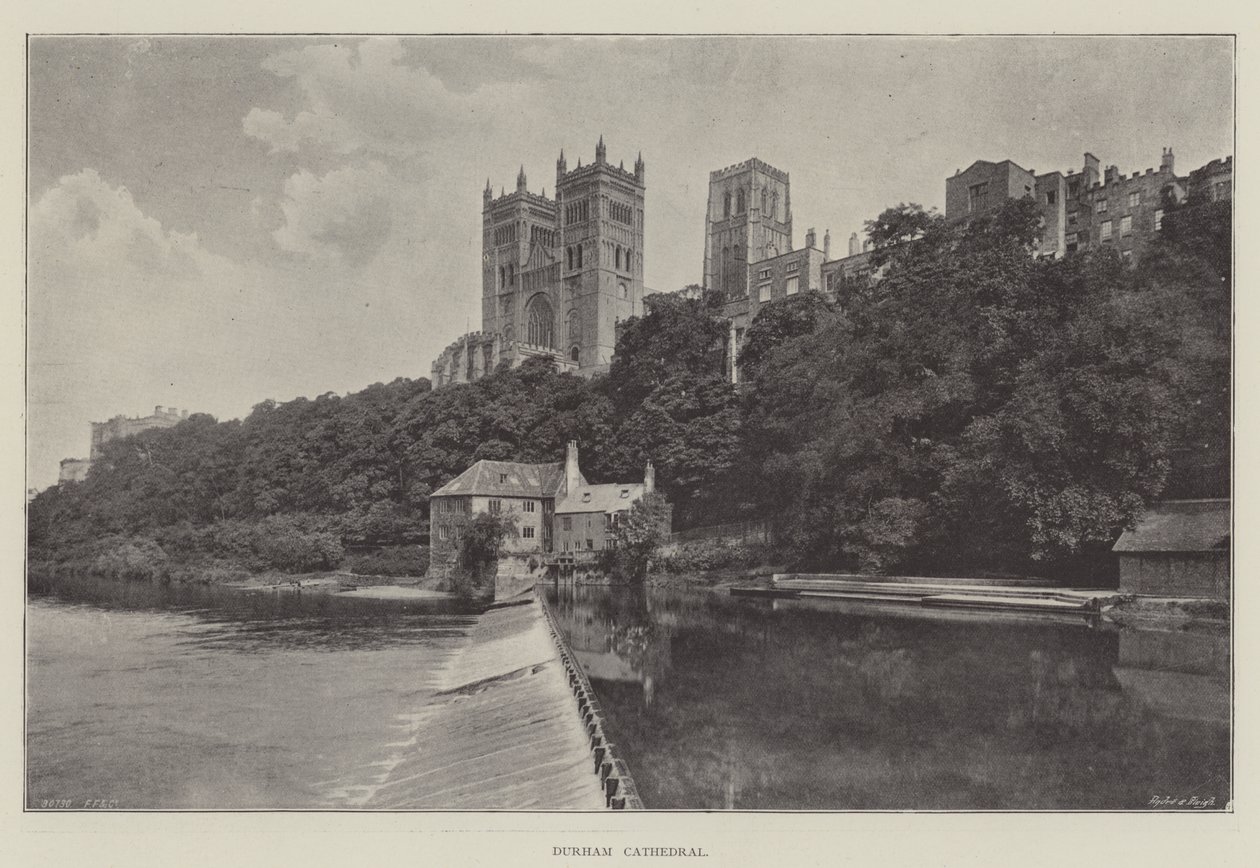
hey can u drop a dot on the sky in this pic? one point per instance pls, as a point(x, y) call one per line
point(213, 222)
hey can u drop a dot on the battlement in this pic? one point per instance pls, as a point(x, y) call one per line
point(751, 163)
point(592, 169)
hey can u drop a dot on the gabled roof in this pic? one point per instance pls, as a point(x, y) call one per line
point(506, 479)
point(1179, 526)
point(539, 257)
point(601, 498)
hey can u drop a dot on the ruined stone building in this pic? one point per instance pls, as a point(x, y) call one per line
point(557, 274)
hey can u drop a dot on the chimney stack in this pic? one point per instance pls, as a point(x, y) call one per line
point(157, 411)
point(649, 478)
point(1166, 161)
point(855, 246)
point(827, 245)
point(811, 238)
point(572, 477)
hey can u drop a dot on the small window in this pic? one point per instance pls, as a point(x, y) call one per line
point(444, 532)
point(527, 533)
point(625, 492)
point(1135, 199)
point(764, 274)
point(1051, 197)
point(794, 266)
point(586, 497)
point(793, 285)
point(502, 478)
point(1126, 226)
point(1159, 218)
point(1074, 187)
point(574, 353)
point(763, 293)
point(1101, 206)
point(726, 205)
point(1104, 231)
point(1072, 218)
point(496, 506)
point(590, 544)
point(527, 506)
point(566, 523)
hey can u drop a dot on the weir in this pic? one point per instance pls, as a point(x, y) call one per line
point(512, 725)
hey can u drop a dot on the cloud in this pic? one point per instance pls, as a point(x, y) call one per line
point(369, 98)
point(84, 222)
point(344, 216)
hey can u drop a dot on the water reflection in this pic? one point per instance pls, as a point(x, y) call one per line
point(719, 702)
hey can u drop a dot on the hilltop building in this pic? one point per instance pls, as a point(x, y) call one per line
point(555, 509)
point(1090, 208)
point(76, 469)
point(123, 426)
point(557, 274)
point(73, 470)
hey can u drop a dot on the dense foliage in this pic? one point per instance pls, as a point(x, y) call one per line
point(974, 409)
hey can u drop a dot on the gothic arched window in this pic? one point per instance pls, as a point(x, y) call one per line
point(619, 257)
point(568, 252)
point(739, 203)
point(579, 256)
point(573, 328)
point(726, 205)
point(574, 353)
point(502, 277)
point(540, 321)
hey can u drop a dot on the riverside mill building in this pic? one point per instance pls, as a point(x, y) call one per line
point(559, 275)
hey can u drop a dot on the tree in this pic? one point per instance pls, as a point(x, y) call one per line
point(639, 533)
point(480, 539)
point(899, 225)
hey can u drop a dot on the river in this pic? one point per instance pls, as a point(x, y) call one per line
point(720, 702)
point(185, 697)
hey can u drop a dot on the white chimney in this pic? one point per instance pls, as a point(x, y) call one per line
point(649, 478)
point(571, 474)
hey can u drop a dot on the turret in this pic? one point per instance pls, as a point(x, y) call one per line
point(487, 194)
point(639, 168)
point(561, 168)
point(600, 154)
point(520, 180)
point(855, 246)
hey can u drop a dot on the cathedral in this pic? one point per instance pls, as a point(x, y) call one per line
point(557, 275)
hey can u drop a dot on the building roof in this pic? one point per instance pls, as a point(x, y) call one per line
point(1179, 526)
point(506, 479)
point(601, 498)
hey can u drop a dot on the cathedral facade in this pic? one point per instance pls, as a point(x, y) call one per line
point(557, 274)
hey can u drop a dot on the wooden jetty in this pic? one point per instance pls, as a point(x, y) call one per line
point(506, 729)
point(1008, 595)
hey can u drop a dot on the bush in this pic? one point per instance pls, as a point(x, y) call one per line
point(283, 542)
point(133, 560)
point(705, 555)
point(406, 560)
